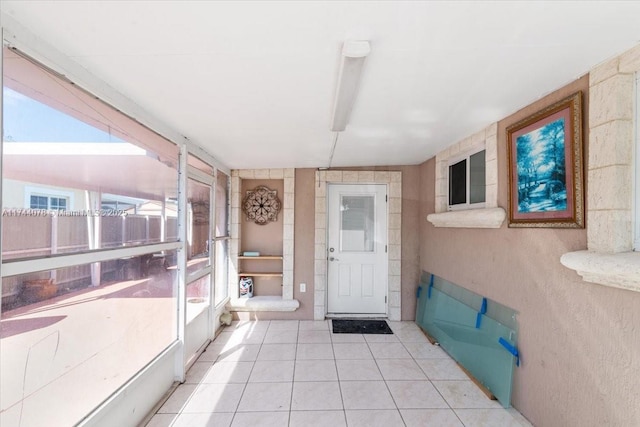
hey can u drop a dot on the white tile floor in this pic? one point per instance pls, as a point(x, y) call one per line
point(298, 373)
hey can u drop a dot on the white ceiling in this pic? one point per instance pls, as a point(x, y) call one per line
point(253, 82)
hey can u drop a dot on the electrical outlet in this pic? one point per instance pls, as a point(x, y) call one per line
point(303, 287)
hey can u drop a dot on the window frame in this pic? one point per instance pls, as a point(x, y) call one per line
point(20, 39)
point(58, 206)
point(491, 216)
point(49, 193)
point(453, 160)
point(636, 163)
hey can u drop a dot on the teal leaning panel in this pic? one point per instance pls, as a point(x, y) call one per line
point(478, 342)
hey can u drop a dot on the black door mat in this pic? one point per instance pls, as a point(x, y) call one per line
point(342, 326)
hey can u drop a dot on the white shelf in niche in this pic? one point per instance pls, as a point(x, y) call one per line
point(263, 303)
point(472, 218)
point(261, 257)
point(260, 273)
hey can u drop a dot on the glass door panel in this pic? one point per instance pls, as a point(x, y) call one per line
point(357, 223)
point(199, 248)
point(222, 237)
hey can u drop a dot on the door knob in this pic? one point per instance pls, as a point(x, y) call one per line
point(333, 259)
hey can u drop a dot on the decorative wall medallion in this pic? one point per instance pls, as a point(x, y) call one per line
point(261, 205)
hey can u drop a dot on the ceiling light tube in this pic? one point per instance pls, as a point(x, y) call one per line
point(354, 53)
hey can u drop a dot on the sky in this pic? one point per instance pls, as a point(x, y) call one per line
point(27, 120)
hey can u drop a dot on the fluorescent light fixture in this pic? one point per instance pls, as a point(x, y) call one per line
point(354, 53)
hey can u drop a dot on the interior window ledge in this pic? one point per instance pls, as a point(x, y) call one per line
point(620, 270)
point(472, 218)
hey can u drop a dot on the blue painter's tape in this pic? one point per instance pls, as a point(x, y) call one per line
point(483, 310)
point(419, 290)
point(511, 349)
point(430, 286)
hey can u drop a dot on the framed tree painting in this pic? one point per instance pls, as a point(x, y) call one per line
point(546, 167)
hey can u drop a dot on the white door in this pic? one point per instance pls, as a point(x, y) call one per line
point(357, 249)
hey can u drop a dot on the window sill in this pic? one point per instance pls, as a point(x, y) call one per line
point(621, 270)
point(473, 218)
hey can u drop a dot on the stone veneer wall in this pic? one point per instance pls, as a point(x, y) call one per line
point(611, 160)
point(394, 182)
point(610, 259)
point(288, 175)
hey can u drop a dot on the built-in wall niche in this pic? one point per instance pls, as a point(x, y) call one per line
point(272, 271)
point(265, 239)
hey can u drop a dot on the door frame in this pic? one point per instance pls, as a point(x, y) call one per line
point(337, 305)
point(393, 179)
point(199, 330)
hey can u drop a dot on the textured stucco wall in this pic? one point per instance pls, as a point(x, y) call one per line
point(579, 342)
point(412, 216)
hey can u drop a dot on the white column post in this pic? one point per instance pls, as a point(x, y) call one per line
point(182, 263)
